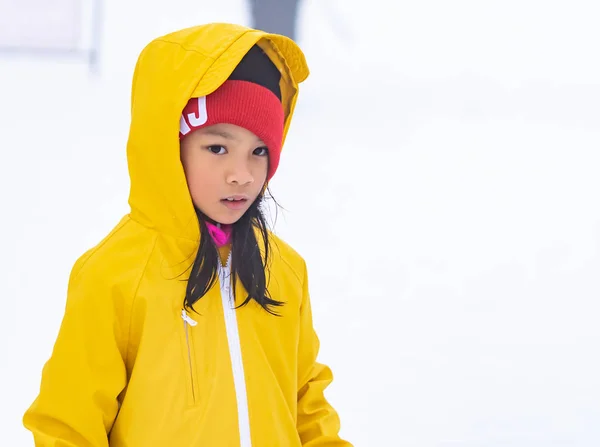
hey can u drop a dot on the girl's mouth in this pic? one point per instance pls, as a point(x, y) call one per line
point(235, 203)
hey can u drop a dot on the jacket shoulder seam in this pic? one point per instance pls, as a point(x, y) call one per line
point(135, 294)
point(285, 260)
point(93, 251)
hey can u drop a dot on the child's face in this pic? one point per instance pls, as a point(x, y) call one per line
point(224, 162)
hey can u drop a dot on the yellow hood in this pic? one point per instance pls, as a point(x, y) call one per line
point(170, 70)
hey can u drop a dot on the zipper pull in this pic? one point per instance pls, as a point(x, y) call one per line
point(185, 317)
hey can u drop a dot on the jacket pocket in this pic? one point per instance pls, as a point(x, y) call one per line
point(190, 359)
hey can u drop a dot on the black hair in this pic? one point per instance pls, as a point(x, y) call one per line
point(249, 259)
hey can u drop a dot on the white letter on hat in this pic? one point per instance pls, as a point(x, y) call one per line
point(184, 129)
point(202, 117)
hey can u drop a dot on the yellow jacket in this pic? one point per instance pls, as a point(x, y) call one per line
point(129, 369)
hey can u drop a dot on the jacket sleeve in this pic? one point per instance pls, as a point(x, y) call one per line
point(77, 403)
point(318, 422)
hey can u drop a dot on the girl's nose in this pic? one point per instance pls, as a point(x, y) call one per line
point(240, 174)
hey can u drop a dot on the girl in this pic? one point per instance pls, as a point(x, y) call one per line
point(190, 324)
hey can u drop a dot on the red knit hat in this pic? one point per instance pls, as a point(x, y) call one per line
point(250, 98)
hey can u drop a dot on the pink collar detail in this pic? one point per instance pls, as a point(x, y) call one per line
point(220, 234)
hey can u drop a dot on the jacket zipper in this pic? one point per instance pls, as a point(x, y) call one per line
point(187, 321)
point(235, 353)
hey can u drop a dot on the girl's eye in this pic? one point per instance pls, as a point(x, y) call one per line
point(261, 151)
point(217, 150)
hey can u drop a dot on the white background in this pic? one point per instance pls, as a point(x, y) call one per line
point(441, 179)
point(48, 24)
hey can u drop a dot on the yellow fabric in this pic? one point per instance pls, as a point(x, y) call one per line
point(224, 253)
point(120, 373)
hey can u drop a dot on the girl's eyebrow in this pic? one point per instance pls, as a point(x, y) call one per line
point(220, 133)
point(228, 136)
